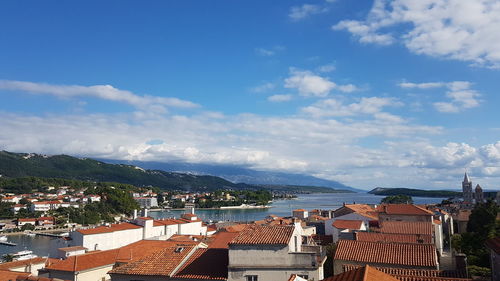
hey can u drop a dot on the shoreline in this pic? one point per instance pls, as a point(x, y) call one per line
point(220, 208)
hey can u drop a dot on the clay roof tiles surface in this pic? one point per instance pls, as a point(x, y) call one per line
point(458, 274)
point(264, 234)
point(365, 273)
point(109, 229)
point(406, 227)
point(403, 209)
point(393, 237)
point(222, 239)
point(205, 264)
point(347, 224)
point(6, 275)
point(85, 261)
point(160, 263)
point(364, 210)
point(387, 253)
point(13, 264)
point(144, 248)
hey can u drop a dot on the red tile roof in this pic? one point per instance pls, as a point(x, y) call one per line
point(160, 263)
point(222, 239)
point(109, 229)
point(365, 273)
point(347, 224)
point(264, 234)
point(393, 237)
point(6, 275)
point(299, 210)
point(205, 264)
point(37, 278)
point(13, 264)
point(494, 244)
point(85, 261)
point(405, 227)
point(387, 253)
point(144, 248)
point(363, 209)
point(414, 272)
point(404, 209)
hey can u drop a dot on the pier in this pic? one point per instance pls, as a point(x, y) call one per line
point(50, 234)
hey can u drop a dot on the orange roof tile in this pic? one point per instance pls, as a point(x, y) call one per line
point(6, 275)
point(404, 209)
point(299, 210)
point(393, 237)
point(365, 273)
point(160, 263)
point(406, 227)
point(236, 227)
point(264, 234)
point(347, 224)
point(205, 264)
point(363, 209)
point(407, 274)
point(144, 248)
point(387, 253)
point(108, 229)
point(13, 264)
point(222, 239)
point(85, 261)
point(37, 278)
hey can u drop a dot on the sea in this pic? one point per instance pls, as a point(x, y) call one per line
point(326, 201)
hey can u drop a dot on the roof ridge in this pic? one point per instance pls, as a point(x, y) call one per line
point(365, 272)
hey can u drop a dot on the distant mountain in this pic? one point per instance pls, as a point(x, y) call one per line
point(237, 174)
point(414, 192)
point(16, 165)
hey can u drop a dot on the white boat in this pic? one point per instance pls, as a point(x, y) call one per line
point(24, 255)
point(30, 234)
point(3, 238)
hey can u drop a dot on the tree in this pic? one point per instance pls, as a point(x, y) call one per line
point(7, 258)
point(397, 199)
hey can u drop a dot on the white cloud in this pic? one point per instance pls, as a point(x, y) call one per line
point(105, 92)
point(306, 10)
point(327, 68)
point(279, 98)
point(366, 106)
point(263, 88)
point(459, 92)
point(454, 29)
point(269, 52)
point(309, 84)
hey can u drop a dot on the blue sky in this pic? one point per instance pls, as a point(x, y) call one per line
point(378, 93)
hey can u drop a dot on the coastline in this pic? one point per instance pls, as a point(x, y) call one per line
point(220, 208)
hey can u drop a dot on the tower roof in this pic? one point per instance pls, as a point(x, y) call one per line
point(478, 188)
point(466, 178)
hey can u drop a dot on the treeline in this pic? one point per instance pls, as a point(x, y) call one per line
point(414, 192)
point(218, 199)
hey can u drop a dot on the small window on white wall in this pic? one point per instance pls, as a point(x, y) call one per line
point(251, 278)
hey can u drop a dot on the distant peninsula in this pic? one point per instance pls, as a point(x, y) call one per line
point(385, 191)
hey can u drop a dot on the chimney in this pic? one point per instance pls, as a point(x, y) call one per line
point(135, 214)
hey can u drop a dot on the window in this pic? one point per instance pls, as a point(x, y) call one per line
point(251, 277)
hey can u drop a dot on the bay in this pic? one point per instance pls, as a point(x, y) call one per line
point(40, 244)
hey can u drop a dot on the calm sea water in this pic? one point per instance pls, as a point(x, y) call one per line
point(40, 244)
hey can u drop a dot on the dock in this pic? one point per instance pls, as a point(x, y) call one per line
point(7, 243)
point(50, 234)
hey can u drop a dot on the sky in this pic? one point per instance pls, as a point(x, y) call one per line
point(394, 93)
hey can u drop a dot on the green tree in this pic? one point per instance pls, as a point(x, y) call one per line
point(330, 253)
point(397, 199)
point(7, 258)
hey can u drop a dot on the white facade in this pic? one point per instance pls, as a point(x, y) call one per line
point(329, 229)
point(147, 202)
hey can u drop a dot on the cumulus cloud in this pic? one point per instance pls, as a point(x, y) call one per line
point(105, 92)
point(460, 95)
point(454, 29)
point(279, 98)
point(269, 52)
point(327, 68)
point(306, 10)
point(366, 106)
point(263, 88)
point(309, 84)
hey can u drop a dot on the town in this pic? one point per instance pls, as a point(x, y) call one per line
point(387, 241)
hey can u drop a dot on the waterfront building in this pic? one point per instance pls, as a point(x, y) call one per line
point(398, 255)
point(274, 253)
point(360, 212)
point(404, 212)
point(147, 202)
point(300, 214)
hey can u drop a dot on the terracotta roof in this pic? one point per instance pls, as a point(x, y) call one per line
point(85, 261)
point(144, 248)
point(347, 224)
point(167, 222)
point(460, 274)
point(387, 253)
point(406, 227)
point(160, 263)
point(13, 264)
point(363, 209)
point(403, 209)
point(205, 264)
point(109, 229)
point(299, 210)
point(365, 273)
point(264, 234)
point(37, 278)
point(319, 218)
point(211, 227)
point(26, 219)
point(236, 227)
point(494, 244)
point(6, 275)
point(222, 239)
point(423, 278)
point(145, 218)
point(71, 249)
point(393, 237)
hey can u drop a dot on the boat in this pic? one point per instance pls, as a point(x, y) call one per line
point(30, 234)
point(24, 255)
point(3, 238)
